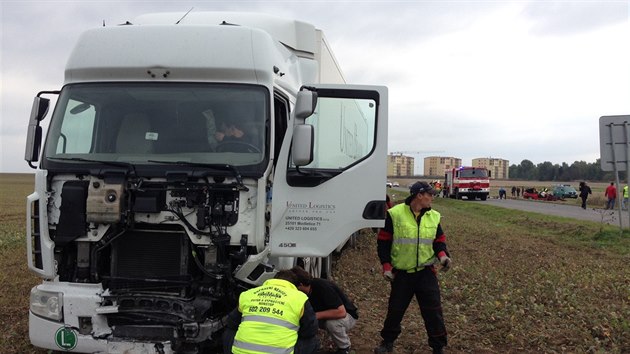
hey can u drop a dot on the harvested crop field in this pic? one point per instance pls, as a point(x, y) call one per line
point(521, 283)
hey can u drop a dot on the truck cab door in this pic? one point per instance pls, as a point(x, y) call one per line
point(317, 206)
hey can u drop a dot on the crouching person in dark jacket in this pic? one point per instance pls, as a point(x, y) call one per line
point(335, 312)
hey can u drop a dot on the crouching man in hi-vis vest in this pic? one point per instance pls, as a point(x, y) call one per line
point(275, 317)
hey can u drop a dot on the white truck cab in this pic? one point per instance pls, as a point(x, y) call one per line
point(186, 160)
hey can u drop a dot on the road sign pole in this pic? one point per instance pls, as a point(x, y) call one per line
point(614, 158)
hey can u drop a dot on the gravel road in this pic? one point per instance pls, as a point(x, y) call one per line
point(558, 209)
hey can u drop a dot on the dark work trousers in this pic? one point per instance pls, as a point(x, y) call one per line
point(423, 284)
point(584, 202)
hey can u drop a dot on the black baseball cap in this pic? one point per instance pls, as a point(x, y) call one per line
point(422, 187)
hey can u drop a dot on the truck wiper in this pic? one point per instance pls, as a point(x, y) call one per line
point(127, 165)
point(216, 166)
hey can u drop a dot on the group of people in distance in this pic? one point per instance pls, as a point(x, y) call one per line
point(611, 196)
point(283, 315)
point(610, 193)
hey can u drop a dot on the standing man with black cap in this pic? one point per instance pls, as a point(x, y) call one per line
point(409, 245)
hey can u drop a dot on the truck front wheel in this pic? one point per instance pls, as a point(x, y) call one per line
point(317, 267)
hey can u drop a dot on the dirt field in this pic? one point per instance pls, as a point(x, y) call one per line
point(521, 283)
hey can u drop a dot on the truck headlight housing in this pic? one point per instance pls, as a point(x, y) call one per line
point(48, 304)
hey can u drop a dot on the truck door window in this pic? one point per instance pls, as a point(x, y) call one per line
point(281, 117)
point(344, 132)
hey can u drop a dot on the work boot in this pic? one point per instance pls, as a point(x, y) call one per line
point(384, 347)
point(438, 350)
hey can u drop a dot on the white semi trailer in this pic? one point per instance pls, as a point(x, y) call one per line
point(145, 225)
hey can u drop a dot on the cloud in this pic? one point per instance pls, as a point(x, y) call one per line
point(570, 17)
point(495, 89)
point(515, 80)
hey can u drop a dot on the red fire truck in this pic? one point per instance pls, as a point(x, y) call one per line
point(469, 182)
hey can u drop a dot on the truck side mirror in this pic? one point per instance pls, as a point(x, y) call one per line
point(34, 132)
point(39, 109)
point(303, 134)
point(305, 105)
point(302, 148)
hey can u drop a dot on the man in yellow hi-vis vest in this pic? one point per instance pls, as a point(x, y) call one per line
point(624, 202)
point(409, 245)
point(275, 317)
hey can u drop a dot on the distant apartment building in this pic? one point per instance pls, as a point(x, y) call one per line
point(399, 165)
point(436, 165)
point(499, 168)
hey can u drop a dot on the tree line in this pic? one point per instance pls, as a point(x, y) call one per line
point(577, 171)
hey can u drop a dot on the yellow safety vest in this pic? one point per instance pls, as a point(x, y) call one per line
point(625, 191)
point(412, 247)
point(271, 318)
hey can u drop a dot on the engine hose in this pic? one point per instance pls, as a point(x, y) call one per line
point(225, 271)
point(200, 266)
point(190, 227)
point(217, 237)
point(98, 249)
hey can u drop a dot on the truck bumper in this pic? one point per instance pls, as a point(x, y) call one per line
point(474, 191)
point(80, 305)
point(53, 335)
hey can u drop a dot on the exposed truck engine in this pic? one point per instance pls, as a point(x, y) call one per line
point(185, 163)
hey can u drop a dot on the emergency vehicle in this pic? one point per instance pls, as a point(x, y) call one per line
point(469, 182)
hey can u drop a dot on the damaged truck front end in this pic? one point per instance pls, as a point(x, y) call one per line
point(146, 235)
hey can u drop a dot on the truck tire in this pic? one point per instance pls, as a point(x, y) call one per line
point(326, 270)
point(317, 267)
point(352, 242)
point(484, 196)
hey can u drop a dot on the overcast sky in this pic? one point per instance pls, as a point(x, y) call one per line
point(506, 79)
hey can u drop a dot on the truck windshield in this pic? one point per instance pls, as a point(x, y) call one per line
point(141, 123)
point(475, 173)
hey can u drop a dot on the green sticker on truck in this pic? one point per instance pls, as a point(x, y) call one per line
point(66, 338)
